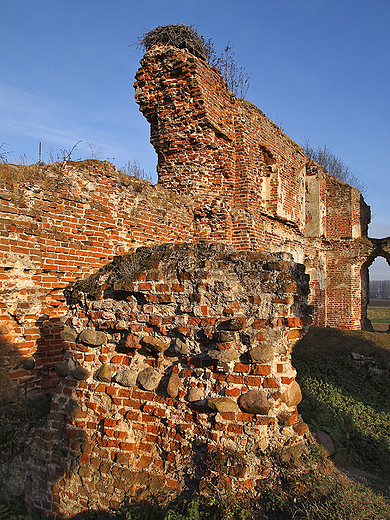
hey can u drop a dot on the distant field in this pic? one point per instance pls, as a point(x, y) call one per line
point(378, 312)
point(379, 303)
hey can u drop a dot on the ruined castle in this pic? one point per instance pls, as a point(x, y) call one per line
point(162, 318)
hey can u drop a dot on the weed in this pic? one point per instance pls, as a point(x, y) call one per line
point(3, 154)
point(17, 418)
point(17, 511)
point(133, 169)
point(335, 499)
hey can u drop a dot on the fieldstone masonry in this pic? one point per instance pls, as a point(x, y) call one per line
point(169, 366)
point(175, 356)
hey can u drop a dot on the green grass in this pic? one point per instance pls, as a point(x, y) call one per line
point(378, 312)
point(17, 511)
point(348, 399)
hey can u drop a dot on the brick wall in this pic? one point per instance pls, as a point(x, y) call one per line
point(174, 356)
point(54, 231)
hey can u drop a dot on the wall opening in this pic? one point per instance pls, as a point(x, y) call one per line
point(378, 309)
point(375, 278)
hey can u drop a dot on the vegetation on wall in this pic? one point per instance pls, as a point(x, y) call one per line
point(333, 165)
point(3, 153)
point(187, 37)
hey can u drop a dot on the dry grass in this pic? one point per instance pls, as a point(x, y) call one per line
point(378, 312)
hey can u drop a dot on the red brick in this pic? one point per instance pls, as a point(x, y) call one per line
point(241, 368)
point(262, 370)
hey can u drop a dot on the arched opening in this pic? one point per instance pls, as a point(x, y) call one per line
point(375, 278)
point(378, 310)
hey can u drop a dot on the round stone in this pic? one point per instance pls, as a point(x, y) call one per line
point(262, 353)
point(224, 336)
point(92, 338)
point(29, 363)
point(103, 374)
point(254, 401)
point(180, 347)
point(68, 334)
point(81, 373)
point(326, 442)
point(126, 377)
point(223, 404)
point(155, 344)
point(174, 384)
point(293, 395)
point(61, 369)
point(149, 378)
point(195, 394)
point(224, 356)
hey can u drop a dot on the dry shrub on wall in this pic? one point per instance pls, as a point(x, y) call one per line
point(236, 78)
point(333, 165)
point(3, 154)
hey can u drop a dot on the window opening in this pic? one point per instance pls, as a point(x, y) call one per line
point(378, 309)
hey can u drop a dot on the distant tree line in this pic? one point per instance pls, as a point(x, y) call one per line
point(379, 289)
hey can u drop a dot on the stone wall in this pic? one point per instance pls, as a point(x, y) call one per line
point(176, 377)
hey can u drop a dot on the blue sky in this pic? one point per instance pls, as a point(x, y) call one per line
point(319, 68)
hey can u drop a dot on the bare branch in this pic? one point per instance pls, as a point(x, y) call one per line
point(333, 165)
point(3, 154)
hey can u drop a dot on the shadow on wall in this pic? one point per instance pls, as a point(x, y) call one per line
point(152, 422)
point(8, 356)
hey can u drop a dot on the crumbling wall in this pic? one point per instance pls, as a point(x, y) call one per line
point(177, 375)
point(60, 223)
point(170, 367)
point(238, 164)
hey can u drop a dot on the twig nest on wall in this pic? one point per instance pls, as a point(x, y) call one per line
point(149, 378)
point(155, 344)
point(254, 401)
point(81, 373)
point(92, 338)
point(126, 377)
point(223, 404)
point(293, 395)
point(103, 374)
